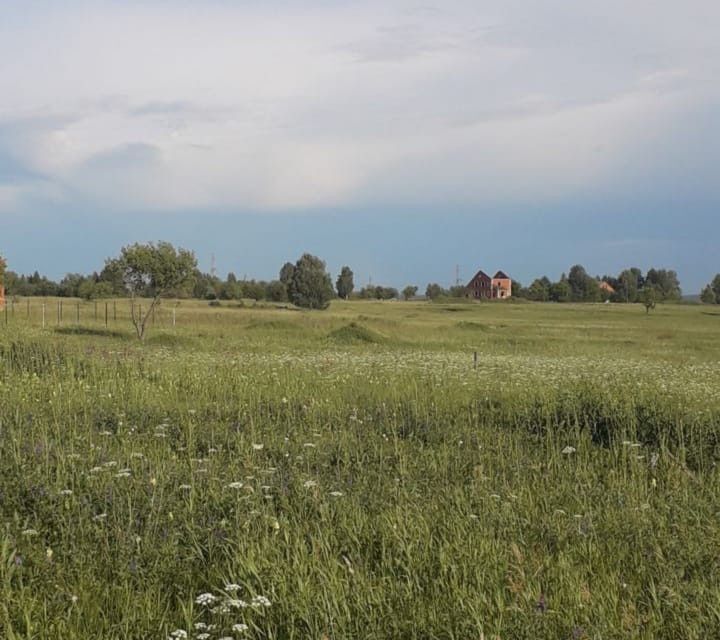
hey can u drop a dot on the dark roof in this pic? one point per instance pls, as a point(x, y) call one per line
point(501, 274)
point(481, 275)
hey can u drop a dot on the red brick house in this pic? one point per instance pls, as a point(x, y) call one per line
point(483, 287)
point(480, 287)
point(501, 285)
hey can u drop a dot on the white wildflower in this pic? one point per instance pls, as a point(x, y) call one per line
point(240, 627)
point(205, 599)
point(568, 450)
point(309, 484)
point(336, 494)
point(236, 604)
point(232, 587)
point(260, 601)
point(235, 485)
point(258, 447)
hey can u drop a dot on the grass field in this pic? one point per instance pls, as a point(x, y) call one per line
point(272, 473)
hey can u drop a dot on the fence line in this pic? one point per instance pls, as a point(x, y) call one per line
point(69, 312)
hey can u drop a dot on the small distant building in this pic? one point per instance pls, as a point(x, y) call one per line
point(502, 286)
point(483, 287)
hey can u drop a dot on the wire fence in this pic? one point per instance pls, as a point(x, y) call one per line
point(68, 312)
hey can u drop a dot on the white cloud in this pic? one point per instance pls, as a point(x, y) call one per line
point(153, 106)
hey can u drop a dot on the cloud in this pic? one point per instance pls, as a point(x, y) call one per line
point(316, 105)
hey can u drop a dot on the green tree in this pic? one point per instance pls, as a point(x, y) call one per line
point(592, 291)
point(518, 291)
point(665, 282)
point(286, 273)
point(3, 269)
point(409, 292)
point(707, 296)
point(715, 286)
point(560, 291)
point(276, 291)
point(434, 291)
point(310, 286)
point(345, 283)
point(630, 281)
point(154, 270)
point(649, 297)
point(577, 279)
point(112, 274)
point(539, 290)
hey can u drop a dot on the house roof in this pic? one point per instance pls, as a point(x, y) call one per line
point(501, 275)
point(480, 274)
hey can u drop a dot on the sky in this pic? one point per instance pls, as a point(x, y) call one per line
point(409, 140)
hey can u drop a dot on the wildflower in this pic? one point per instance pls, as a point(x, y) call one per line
point(29, 532)
point(179, 633)
point(200, 626)
point(336, 494)
point(202, 636)
point(125, 473)
point(185, 487)
point(240, 627)
point(73, 599)
point(258, 447)
point(100, 516)
point(309, 484)
point(568, 450)
point(49, 553)
point(236, 604)
point(260, 601)
point(205, 599)
point(235, 485)
point(232, 587)
point(221, 609)
point(66, 492)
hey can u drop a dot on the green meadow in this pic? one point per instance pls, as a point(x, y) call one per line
point(377, 470)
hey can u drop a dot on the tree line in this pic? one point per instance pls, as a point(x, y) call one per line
point(306, 283)
point(630, 285)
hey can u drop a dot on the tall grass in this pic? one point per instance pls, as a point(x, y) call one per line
point(367, 490)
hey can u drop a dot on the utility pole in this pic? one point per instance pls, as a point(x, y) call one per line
point(457, 275)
